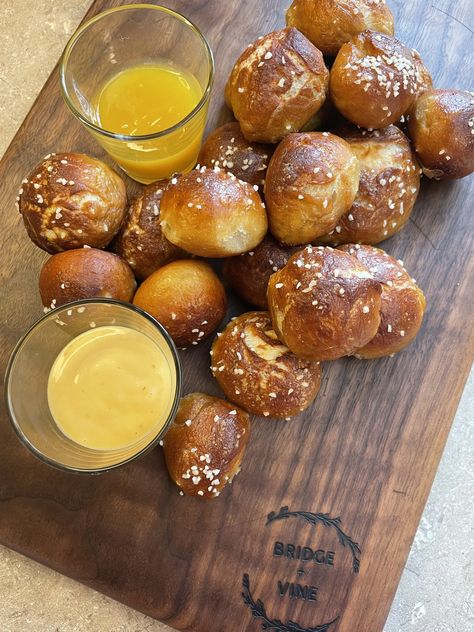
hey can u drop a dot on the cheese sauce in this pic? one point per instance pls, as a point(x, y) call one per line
point(109, 387)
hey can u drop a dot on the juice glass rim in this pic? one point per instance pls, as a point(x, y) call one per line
point(63, 65)
point(94, 470)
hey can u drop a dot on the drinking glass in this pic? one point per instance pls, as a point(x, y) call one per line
point(27, 380)
point(132, 36)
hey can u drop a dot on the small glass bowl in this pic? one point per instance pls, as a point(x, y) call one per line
point(28, 371)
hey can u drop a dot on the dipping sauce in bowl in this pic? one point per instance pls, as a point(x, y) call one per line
point(109, 387)
point(93, 385)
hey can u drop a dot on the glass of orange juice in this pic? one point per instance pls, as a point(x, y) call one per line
point(139, 78)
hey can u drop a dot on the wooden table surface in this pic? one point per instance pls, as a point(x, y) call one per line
point(365, 453)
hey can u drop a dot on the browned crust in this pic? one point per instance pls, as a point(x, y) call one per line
point(141, 241)
point(403, 302)
point(374, 80)
point(70, 200)
point(205, 454)
point(441, 126)
point(260, 374)
point(85, 273)
point(187, 298)
point(312, 180)
point(248, 274)
point(388, 187)
point(324, 304)
point(331, 23)
point(425, 80)
point(276, 86)
point(211, 213)
point(228, 148)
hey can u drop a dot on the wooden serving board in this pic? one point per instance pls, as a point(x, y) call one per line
point(366, 452)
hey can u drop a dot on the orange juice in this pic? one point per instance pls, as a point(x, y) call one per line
point(150, 99)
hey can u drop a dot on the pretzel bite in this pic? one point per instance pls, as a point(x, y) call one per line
point(141, 241)
point(331, 23)
point(324, 304)
point(228, 148)
point(312, 180)
point(248, 274)
point(403, 303)
point(277, 85)
point(388, 187)
point(187, 298)
point(210, 213)
point(257, 372)
point(205, 445)
point(441, 127)
point(84, 273)
point(72, 200)
point(374, 80)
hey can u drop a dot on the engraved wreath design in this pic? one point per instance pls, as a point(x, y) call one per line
point(257, 607)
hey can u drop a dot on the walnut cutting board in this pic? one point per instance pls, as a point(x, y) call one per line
point(317, 527)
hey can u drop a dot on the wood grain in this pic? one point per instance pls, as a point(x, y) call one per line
point(366, 451)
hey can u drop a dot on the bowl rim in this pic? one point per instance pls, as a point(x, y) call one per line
point(51, 314)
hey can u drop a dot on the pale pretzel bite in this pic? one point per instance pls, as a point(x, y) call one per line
point(324, 304)
point(72, 200)
point(375, 79)
point(331, 23)
point(260, 374)
point(141, 241)
point(205, 445)
point(211, 213)
point(441, 127)
point(277, 85)
point(388, 186)
point(312, 180)
point(248, 274)
point(403, 302)
point(84, 273)
point(187, 297)
point(228, 148)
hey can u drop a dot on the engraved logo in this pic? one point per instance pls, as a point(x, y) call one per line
point(306, 558)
